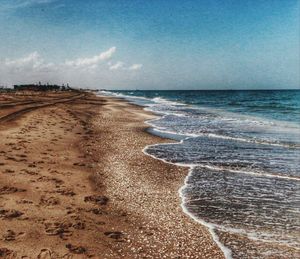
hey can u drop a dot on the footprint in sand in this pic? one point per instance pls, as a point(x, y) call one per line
point(79, 225)
point(6, 253)
point(9, 171)
point(12, 158)
point(10, 214)
point(10, 235)
point(29, 172)
point(45, 254)
point(50, 179)
point(49, 201)
point(66, 192)
point(99, 200)
point(114, 235)
point(22, 155)
point(9, 190)
point(23, 201)
point(76, 249)
point(79, 164)
point(58, 229)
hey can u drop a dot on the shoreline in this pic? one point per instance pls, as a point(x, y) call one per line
point(107, 199)
point(141, 116)
point(177, 139)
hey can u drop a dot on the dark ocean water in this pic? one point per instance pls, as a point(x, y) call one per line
point(243, 148)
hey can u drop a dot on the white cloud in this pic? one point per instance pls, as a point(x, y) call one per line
point(121, 66)
point(135, 67)
point(116, 66)
point(37, 2)
point(33, 58)
point(93, 61)
point(90, 71)
point(33, 62)
point(16, 4)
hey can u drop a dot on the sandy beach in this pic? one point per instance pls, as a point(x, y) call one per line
point(74, 183)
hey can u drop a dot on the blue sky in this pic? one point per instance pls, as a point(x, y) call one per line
point(151, 44)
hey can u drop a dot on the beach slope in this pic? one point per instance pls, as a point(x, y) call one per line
point(74, 183)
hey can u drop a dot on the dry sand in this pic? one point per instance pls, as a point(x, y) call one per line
point(74, 183)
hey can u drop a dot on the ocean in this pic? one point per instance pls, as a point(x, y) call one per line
point(243, 151)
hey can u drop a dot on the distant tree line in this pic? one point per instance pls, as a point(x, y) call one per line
point(5, 89)
point(41, 87)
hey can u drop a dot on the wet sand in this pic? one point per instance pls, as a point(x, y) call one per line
point(74, 183)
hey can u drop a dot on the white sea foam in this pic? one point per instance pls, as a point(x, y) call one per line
point(161, 100)
point(211, 227)
point(251, 173)
point(194, 135)
point(214, 135)
point(123, 96)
